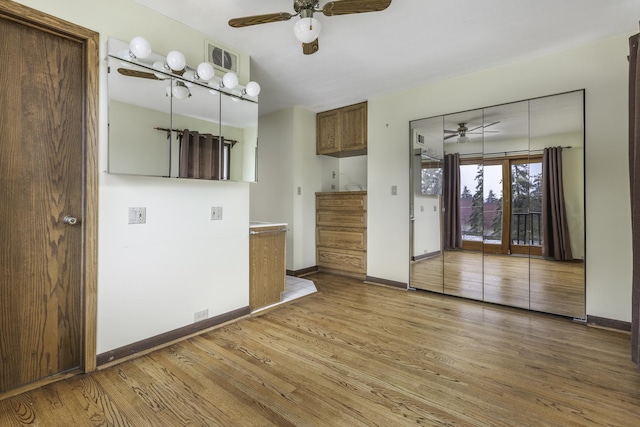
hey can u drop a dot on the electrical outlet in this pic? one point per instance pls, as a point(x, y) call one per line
point(200, 315)
point(137, 215)
point(394, 190)
point(216, 213)
point(299, 191)
point(421, 208)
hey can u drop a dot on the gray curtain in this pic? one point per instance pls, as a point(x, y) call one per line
point(451, 195)
point(634, 181)
point(199, 155)
point(555, 230)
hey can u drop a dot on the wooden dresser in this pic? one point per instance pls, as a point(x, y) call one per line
point(341, 233)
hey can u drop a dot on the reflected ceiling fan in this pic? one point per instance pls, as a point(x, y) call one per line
point(308, 28)
point(140, 74)
point(463, 131)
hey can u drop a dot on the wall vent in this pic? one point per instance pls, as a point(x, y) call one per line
point(221, 58)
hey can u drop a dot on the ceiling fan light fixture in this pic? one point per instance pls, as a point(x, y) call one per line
point(307, 29)
point(463, 139)
point(180, 91)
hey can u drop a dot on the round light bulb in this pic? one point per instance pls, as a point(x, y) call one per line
point(252, 89)
point(176, 60)
point(230, 80)
point(307, 29)
point(189, 75)
point(205, 71)
point(140, 47)
point(159, 65)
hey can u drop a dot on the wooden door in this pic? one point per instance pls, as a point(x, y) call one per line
point(47, 220)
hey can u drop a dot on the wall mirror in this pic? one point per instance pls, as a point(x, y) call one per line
point(505, 223)
point(166, 124)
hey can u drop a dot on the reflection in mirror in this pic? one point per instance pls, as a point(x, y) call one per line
point(240, 130)
point(170, 125)
point(195, 124)
point(506, 204)
point(426, 204)
point(513, 204)
point(557, 278)
point(463, 216)
point(134, 146)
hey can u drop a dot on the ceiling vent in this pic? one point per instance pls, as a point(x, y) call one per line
point(221, 58)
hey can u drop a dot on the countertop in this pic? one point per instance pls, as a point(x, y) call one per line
point(359, 192)
point(259, 224)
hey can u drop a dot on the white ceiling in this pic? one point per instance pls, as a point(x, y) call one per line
point(411, 43)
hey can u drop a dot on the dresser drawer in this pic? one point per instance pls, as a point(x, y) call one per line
point(342, 259)
point(355, 201)
point(341, 219)
point(342, 238)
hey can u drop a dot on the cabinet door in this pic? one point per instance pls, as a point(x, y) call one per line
point(327, 138)
point(267, 267)
point(354, 127)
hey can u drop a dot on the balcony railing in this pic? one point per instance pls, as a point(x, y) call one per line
point(527, 223)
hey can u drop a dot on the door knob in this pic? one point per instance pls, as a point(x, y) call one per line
point(70, 220)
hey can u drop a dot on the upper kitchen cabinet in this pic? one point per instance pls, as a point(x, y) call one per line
point(342, 132)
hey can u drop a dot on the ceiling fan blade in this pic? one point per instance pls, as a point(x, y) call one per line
point(135, 73)
point(259, 19)
point(451, 136)
point(310, 48)
point(483, 126)
point(346, 7)
point(450, 131)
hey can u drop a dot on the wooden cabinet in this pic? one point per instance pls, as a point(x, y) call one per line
point(342, 132)
point(341, 233)
point(267, 265)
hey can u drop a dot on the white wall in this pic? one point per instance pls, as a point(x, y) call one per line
point(599, 68)
point(286, 162)
point(153, 277)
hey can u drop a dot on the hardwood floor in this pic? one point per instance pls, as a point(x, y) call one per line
point(531, 283)
point(353, 355)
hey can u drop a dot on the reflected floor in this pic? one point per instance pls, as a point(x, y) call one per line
point(532, 283)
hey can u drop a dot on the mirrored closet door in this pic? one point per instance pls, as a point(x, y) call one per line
point(497, 206)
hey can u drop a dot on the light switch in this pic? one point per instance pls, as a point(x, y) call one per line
point(216, 213)
point(137, 215)
point(394, 190)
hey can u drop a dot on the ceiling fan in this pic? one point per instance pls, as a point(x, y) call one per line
point(308, 28)
point(463, 131)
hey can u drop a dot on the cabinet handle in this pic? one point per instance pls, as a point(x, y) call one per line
point(279, 230)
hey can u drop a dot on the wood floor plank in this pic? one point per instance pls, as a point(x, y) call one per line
point(354, 354)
